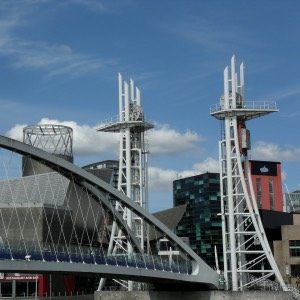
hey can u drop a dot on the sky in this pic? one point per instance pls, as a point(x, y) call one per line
point(59, 61)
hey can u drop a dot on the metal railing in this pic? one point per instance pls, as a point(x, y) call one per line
point(251, 105)
point(95, 256)
point(116, 119)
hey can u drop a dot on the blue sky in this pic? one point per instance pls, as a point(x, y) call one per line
point(59, 63)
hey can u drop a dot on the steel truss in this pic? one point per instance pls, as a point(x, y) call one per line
point(58, 221)
point(248, 259)
point(132, 179)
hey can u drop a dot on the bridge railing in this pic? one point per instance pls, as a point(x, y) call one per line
point(95, 256)
point(251, 105)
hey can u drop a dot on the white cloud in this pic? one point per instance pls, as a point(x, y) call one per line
point(161, 179)
point(270, 151)
point(164, 139)
point(16, 132)
point(88, 141)
point(55, 59)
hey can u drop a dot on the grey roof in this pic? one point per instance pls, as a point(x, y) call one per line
point(48, 188)
point(104, 174)
point(169, 217)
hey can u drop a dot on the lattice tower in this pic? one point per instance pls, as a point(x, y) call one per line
point(132, 180)
point(248, 259)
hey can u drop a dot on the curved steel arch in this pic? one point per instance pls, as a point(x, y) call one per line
point(93, 183)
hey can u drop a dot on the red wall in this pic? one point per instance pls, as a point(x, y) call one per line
point(42, 286)
point(265, 189)
point(69, 282)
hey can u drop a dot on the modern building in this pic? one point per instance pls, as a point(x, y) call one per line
point(292, 201)
point(107, 170)
point(267, 184)
point(41, 208)
point(287, 251)
point(201, 223)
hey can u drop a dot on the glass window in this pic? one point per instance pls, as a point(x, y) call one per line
point(6, 289)
point(294, 247)
point(259, 192)
point(271, 193)
point(295, 270)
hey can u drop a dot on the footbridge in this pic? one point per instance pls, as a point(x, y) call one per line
point(59, 220)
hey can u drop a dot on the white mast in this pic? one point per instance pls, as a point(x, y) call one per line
point(248, 259)
point(132, 167)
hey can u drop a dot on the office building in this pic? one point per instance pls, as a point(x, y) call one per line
point(292, 201)
point(201, 222)
point(107, 170)
point(267, 184)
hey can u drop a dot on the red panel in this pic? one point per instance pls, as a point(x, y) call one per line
point(42, 286)
point(278, 197)
point(69, 282)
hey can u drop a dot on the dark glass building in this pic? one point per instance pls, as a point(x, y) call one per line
point(201, 223)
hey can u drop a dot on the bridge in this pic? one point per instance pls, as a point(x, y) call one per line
point(59, 220)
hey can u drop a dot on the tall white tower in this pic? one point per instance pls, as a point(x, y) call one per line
point(132, 180)
point(248, 259)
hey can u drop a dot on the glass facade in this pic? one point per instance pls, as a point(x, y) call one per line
point(292, 201)
point(201, 223)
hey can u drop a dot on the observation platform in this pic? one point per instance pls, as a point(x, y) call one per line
point(247, 110)
point(115, 125)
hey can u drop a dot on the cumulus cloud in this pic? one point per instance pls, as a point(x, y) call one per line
point(161, 179)
point(165, 140)
point(88, 141)
point(270, 151)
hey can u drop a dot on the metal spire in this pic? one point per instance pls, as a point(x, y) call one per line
point(132, 181)
point(248, 259)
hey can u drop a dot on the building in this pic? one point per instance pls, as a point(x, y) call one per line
point(292, 201)
point(287, 251)
point(201, 223)
point(55, 211)
point(267, 184)
point(107, 170)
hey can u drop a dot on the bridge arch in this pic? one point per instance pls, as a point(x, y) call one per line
point(201, 272)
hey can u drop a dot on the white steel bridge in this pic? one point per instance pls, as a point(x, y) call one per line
point(60, 221)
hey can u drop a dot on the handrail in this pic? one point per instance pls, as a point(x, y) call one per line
point(251, 105)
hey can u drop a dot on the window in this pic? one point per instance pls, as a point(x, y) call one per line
point(259, 192)
point(294, 247)
point(295, 270)
point(271, 193)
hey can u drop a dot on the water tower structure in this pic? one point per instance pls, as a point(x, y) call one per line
point(52, 138)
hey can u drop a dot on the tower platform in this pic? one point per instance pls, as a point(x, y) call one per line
point(247, 111)
point(120, 125)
